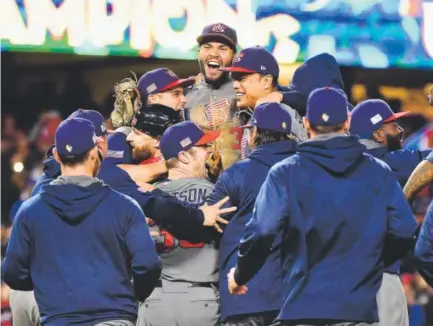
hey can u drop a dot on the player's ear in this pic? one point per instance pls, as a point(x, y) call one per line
point(56, 156)
point(378, 136)
point(268, 81)
point(306, 123)
point(183, 157)
point(151, 99)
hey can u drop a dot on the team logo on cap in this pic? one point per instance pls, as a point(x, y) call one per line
point(376, 119)
point(185, 142)
point(68, 148)
point(218, 28)
point(151, 88)
point(325, 117)
point(284, 125)
point(238, 57)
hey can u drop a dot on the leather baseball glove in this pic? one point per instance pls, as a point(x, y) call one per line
point(127, 102)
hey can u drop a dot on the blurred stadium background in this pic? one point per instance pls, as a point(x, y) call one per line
point(57, 56)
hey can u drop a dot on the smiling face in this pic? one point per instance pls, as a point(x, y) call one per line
point(250, 87)
point(211, 57)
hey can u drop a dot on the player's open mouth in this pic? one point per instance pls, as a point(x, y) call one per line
point(238, 95)
point(213, 65)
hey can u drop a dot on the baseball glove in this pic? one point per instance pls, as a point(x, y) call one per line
point(214, 163)
point(127, 102)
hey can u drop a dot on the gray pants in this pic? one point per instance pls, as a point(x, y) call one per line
point(288, 323)
point(391, 301)
point(176, 303)
point(25, 311)
point(116, 323)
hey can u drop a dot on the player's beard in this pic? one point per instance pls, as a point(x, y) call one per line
point(214, 83)
point(141, 154)
point(394, 142)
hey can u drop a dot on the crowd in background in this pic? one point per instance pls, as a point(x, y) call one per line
point(23, 150)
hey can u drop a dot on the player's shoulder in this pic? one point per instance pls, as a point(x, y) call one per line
point(118, 199)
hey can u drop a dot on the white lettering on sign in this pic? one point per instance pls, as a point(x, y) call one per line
point(427, 29)
point(86, 22)
point(68, 18)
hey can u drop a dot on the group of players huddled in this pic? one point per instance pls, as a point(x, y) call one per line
point(227, 199)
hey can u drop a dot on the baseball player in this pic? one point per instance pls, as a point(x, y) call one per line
point(375, 123)
point(339, 211)
point(159, 86)
point(23, 304)
point(91, 228)
point(211, 101)
point(255, 75)
point(273, 140)
point(163, 86)
point(187, 292)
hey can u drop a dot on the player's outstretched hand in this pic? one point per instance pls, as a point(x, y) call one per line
point(234, 288)
point(212, 214)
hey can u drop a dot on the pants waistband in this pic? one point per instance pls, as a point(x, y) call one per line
point(192, 284)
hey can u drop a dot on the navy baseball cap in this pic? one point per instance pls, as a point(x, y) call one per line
point(161, 80)
point(75, 136)
point(219, 32)
point(119, 150)
point(94, 117)
point(327, 106)
point(272, 117)
point(255, 60)
point(182, 136)
point(370, 115)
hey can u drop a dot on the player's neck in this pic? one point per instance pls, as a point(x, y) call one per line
point(179, 173)
point(78, 170)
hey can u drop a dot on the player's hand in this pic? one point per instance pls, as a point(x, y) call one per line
point(274, 97)
point(212, 214)
point(154, 234)
point(234, 288)
point(144, 186)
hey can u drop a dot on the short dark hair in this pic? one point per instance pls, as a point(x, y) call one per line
point(322, 129)
point(74, 160)
point(264, 137)
point(274, 81)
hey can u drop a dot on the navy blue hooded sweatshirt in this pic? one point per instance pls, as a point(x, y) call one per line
point(341, 213)
point(402, 163)
point(319, 71)
point(78, 243)
point(157, 204)
point(242, 182)
point(424, 248)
